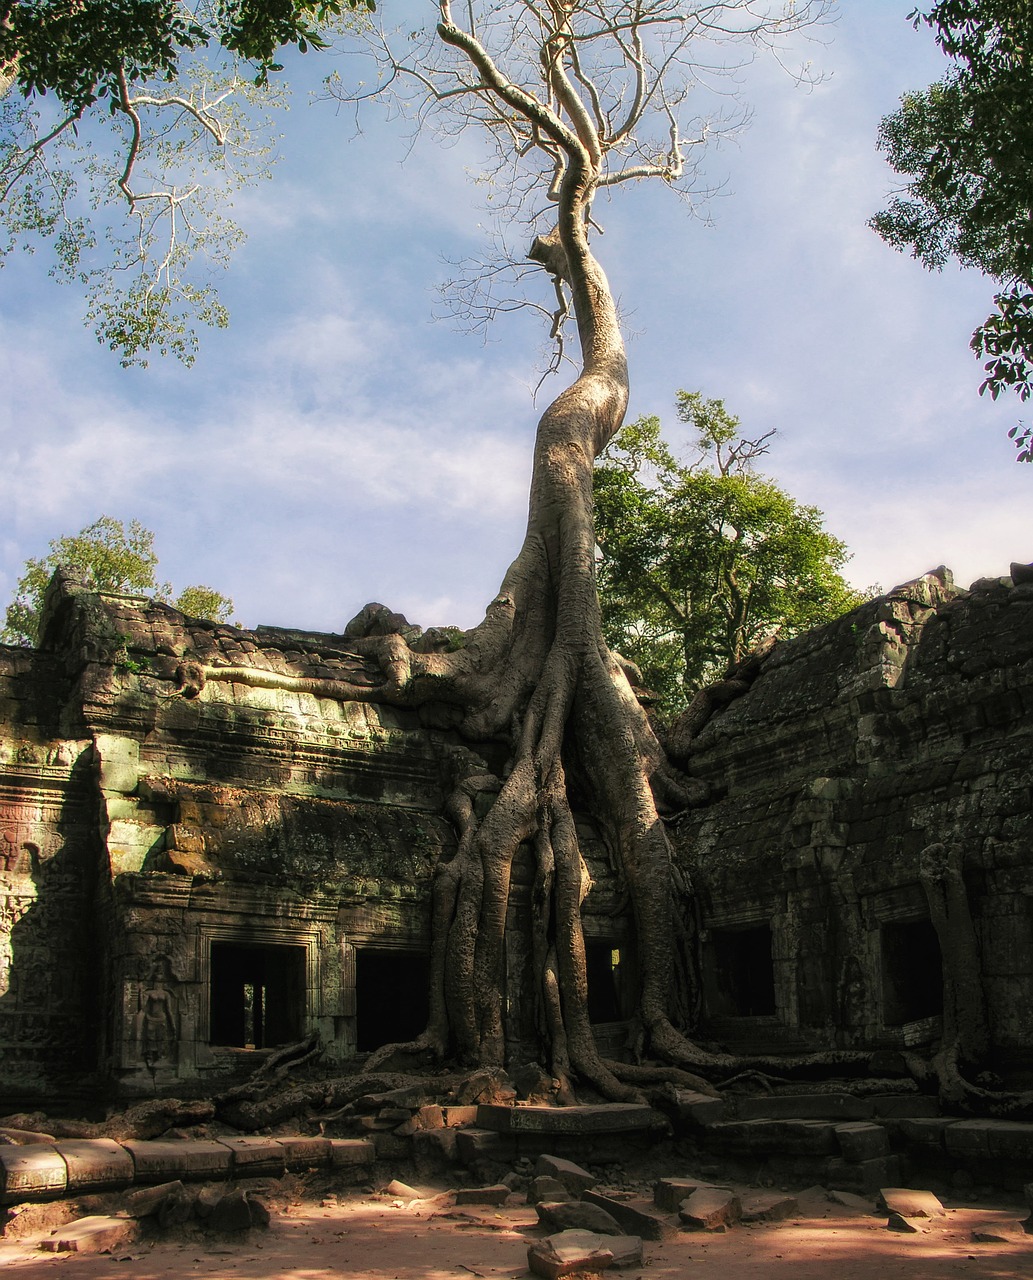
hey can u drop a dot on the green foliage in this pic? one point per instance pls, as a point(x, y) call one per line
point(107, 557)
point(126, 126)
point(700, 562)
point(965, 146)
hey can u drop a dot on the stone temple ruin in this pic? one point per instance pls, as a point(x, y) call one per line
point(192, 875)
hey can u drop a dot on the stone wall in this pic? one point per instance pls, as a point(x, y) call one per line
point(194, 870)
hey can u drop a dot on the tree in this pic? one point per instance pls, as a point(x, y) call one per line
point(108, 557)
point(125, 128)
point(579, 97)
point(700, 562)
point(965, 146)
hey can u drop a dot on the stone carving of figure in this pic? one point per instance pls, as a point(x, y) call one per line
point(156, 1020)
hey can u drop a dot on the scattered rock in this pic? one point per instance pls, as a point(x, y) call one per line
point(401, 1190)
point(146, 1201)
point(232, 1214)
point(569, 1252)
point(897, 1222)
point(769, 1206)
point(545, 1187)
point(669, 1193)
point(635, 1221)
point(573, 1177)
point(90, 1235)
point(495, 1195)
point(710, 1208)
point(177, 1207)
point(577, 1216)
point(910, 1203)
point(850, 1201)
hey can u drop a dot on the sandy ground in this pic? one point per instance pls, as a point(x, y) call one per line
point(376, 1238)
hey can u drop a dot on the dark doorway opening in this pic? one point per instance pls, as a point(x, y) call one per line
point(258, 995)
point(739, 974)
point(912, 972)
point(390, 996)
point(603, 966)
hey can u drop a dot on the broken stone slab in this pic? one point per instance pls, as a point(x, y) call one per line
point(577, 1215)
point(806, 1106)
point(569, 1252)
point(898, 1222)
point(769, 1206)
point(910, 1203)
point(999, 1233)
point(96, 1164)
point(346, 1152)
point(177, 1208)
point(613, 1117)
point(145, 1201)
point(256, 1157)
point(861, 1140)
point(851, 1201)
point(710, 1208)
point(33, 1172)
point(546, 1188)
point(235, 1212)
point(302, 1153)
point(635, 1221)
point(483, 1144)
point(669, 1193)
point(92, 1234)
point(571, 1175)
point(156, 1161)
point(494, 1195)
point(401, 1190)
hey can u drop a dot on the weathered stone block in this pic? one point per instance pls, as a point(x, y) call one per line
point(185, 1161)
point(806, 1106)
point(255, 1157)
point(495, 1195)
point(434, 1150)
point(96, 1164)
point(459, 1117)
point(866, 1176)
point(305, 1153)
point(568, 1252)
point(769, 1206)
point(546, 1188)
point(614, 1117)
point(639, 1221)
point(688, 1107)
point(481, 1144)
point(910, 1203)
point(709, 1208)
point(860, 1140)
point(32, 1172)
point(574, 1215)
point(351, 1152)
point(668, 1193)
point(925, 1131)
point(145, 1201)
point(571, 1175)
point(93, 1234)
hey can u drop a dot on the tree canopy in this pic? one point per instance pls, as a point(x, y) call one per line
point(109, 557)
point(700, 562)
point(965, 147)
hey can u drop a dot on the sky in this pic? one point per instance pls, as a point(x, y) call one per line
point(341, 442)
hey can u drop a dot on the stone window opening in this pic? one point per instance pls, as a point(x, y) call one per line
point(605, 967)
point(912, 972)
point(739, 972)
point(257, 995)
point(391, 996)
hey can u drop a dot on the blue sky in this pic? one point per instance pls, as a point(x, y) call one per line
point(340, 442)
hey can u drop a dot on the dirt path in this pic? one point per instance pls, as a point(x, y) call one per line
point(374, 1238)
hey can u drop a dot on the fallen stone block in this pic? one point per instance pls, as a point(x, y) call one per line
point(897, 1222)
point(864, 1176)
point(156, 1161)
point(401, 1190)
point(430, 1116)
point(806, 1106)
point(577, 1215)
point(207, 1199)
point(459, 1117)
point(96, 1164)
point(997, 1234)
point(35, 1171)
point(635, 1221)
point(695, 1110)
point(568, 1252)
point(573, 1177)
point(302, 1153)
point(145, 1201)
point(851, 1201)
point(709, 1208)
point(769, 1206)
point(177, 1208)
point(482, 1144)
point(255, 1157)
point(346, 1152)
point(861, 1140)
point(90, 1235)
point(669, 1193)
point(546, 1188)
point(231, 1214)
point(910, 1203)
point(495, 1195)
